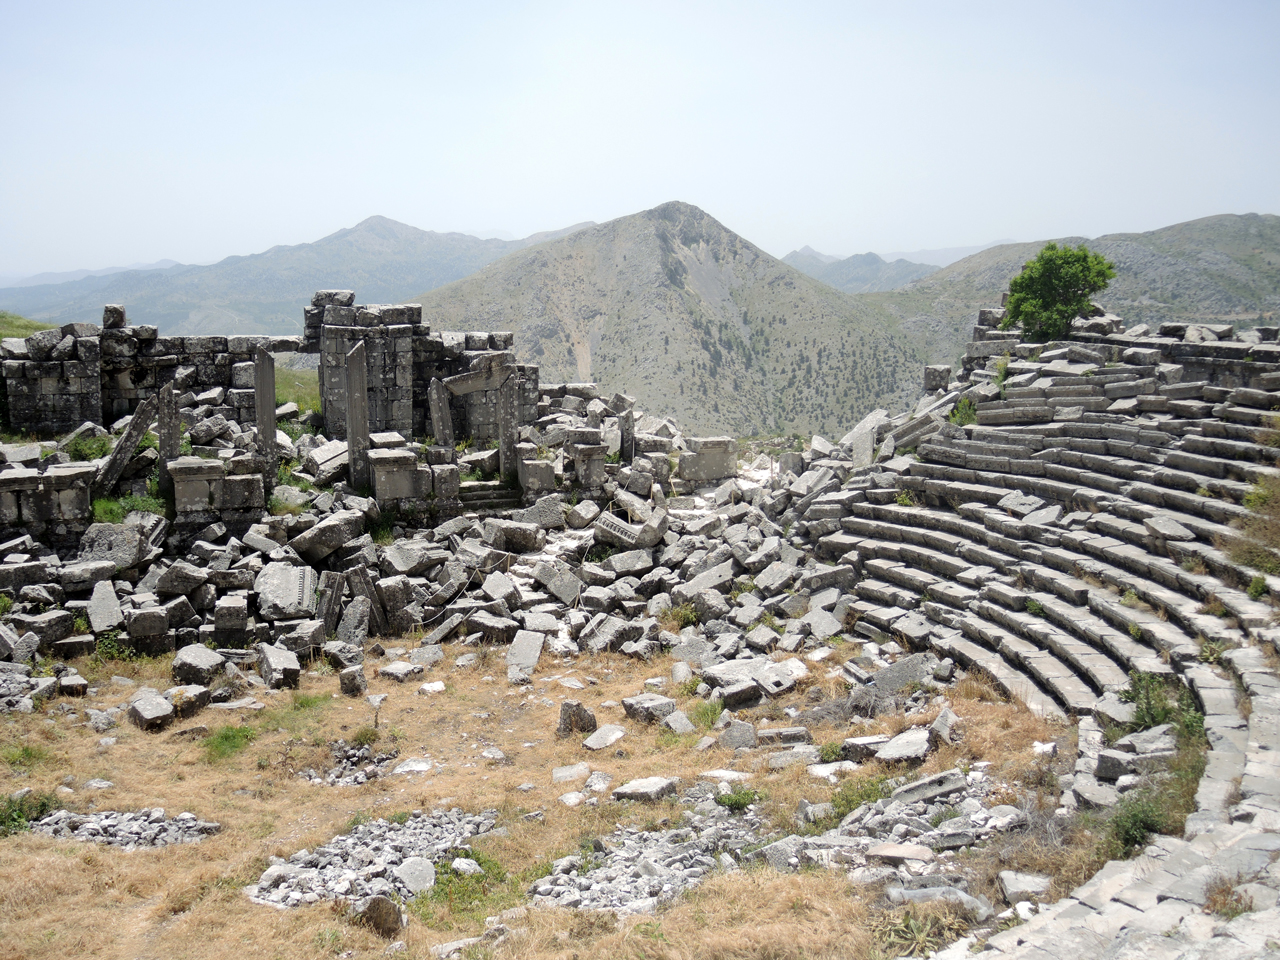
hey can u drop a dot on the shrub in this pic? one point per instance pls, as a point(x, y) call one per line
point(905, 499)
point(16, 813)
point(1053, 289)
point(1035, 608)
point(677, 618)
point(1138, 815)
point(831, 751)
point(737, 800)
point(965, 413)
point(1257, 588)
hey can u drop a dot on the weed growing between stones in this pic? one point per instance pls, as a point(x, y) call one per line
point(705, 713)
point(1223, 900)
point(677, 618)
point(917, 930)
point(856, 791)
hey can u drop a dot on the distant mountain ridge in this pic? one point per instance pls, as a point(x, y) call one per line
point(381, 259)
point(1219, 269)
point(861, 273)
point(674, 308)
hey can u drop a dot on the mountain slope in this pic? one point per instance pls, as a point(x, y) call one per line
point(696, 322)
point(1220, 269)
point(861, 273)
point(381, 259)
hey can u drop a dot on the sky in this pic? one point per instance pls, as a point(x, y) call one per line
point(135, 132)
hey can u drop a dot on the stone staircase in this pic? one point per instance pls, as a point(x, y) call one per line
point(489, 498)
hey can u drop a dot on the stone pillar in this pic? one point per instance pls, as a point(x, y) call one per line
point(441, 419)
point(627, 428)
point(508, 426)
point(170, 432)
point(357, 418)
point(264, 399)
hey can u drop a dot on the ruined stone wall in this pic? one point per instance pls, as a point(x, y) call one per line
point(57, 379)
point(53, 379)
point(403, 356)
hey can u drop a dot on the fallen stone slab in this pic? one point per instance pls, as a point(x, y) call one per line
point(898, 853)
point(648, 707)
point(286, 592)
point(931, 788)
point(1023, 886)
point(911, 744)
point(523, 655)
point(196, 663)
point(400, 671)
point(277, 666)
point(604, 737)
point(151, 712)
point(328, 535)
point(646, 789)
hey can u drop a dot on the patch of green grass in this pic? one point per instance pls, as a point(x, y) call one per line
point(113, 510)
point(365, 737)
point(459, 900)
point(227, 741)
point(278, 508)
point(383, 529)
point(13, 325)
point(16, 814)
point(1257, 588)
point(905, 498)
point(285, 477)
point(831, 751)
point(298, 386)
point(854, 793)
point(6, 603)
point(23, 756)
point(705, 713)
point(471, 476)
point(84, 448)
point(681, 616)
point(737, 799)
point(1035, 608)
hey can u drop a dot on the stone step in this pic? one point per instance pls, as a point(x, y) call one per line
point(1051, 674)
point(1009, 680)
point(1094, 667)
point(1097, 633)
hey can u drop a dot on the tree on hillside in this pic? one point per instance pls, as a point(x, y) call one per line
point(1054, 289)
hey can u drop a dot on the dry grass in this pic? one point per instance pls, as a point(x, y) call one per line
point(748, 915)
point(61, 898)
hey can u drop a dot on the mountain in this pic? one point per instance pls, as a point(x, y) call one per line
point(1220, 269)
point(381, 259)
point(861, 273)
point(40, 279)
point(943, 256)
point(696, 322)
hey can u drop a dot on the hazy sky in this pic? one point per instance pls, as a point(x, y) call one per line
point(134, 132)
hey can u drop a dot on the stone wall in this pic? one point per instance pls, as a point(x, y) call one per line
point(57, 379)
point(403, 356)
